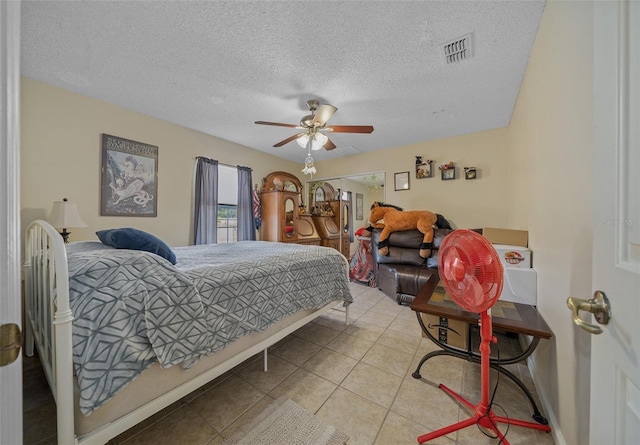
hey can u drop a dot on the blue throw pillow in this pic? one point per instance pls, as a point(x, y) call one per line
point(129, 238)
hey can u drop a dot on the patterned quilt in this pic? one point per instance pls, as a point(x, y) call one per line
point(133, 308)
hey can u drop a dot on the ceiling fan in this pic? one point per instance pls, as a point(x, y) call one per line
point(313, 125)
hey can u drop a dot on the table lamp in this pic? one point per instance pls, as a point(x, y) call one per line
point(64, 214)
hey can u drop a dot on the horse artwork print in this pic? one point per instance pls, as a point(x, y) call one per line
point(396, 219)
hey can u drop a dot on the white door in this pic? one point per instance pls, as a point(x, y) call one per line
point(11, 374)
point(615, 354)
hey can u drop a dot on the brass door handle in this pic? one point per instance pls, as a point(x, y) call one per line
point(10, 342)
point(598, 306)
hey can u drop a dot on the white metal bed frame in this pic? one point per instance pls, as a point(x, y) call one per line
point(49, 324)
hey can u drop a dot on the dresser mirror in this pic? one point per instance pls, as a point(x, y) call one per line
point(289, 209)
point(345, 218)
point(349, 198)
point(368, 187)
point(319, 195)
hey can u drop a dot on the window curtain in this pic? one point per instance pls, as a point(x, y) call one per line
point(205, 218)
point(246, 218)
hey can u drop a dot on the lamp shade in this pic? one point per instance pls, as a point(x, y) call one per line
point(64, 214)
point(317, 142)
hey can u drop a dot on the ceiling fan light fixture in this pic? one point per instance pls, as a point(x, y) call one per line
point(317, 142)
point(302, 140)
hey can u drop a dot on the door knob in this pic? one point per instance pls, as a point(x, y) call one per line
point(598, 306)
point(10, 342)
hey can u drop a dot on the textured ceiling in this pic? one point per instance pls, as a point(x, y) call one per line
point(218, 66)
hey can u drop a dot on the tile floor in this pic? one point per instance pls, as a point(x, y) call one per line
point(356, 377)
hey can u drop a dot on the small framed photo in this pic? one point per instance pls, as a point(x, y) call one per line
point(448, 173)
point(401, 181)
point(470, 173)
point(129, 179)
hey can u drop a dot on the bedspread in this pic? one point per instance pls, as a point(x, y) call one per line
point(249, 285)
point(133, 308)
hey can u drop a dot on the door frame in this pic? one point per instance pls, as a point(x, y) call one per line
point(10, 283)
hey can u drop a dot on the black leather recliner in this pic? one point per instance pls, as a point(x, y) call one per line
point(403, 271)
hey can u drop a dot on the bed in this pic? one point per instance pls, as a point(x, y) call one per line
point(123, 333)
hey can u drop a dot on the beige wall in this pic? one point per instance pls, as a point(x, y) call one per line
point(60, 157)
point(551, 171)
point(465, 203)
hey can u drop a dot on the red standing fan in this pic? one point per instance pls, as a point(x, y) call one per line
point(471, 271)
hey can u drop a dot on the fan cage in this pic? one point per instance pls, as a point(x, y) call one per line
point(471, 270)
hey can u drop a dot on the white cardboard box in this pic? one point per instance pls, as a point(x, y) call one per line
point(513, 256)
point(520, 285)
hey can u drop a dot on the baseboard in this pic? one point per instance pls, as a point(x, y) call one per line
point(558, 438)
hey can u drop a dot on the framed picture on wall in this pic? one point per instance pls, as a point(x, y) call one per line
point(129, 178)
point(470, 173)
point(402, 181)
point(359, 204)
point(448, 173)
point(423, 168)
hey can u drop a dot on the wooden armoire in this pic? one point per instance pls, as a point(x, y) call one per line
point(283, 218)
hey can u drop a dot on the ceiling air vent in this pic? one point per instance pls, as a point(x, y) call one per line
point(459, 49)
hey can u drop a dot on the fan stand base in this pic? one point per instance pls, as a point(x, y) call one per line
point(483, 416)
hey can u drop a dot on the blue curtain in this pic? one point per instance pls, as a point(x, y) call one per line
point(205, 218)
point(246, 219)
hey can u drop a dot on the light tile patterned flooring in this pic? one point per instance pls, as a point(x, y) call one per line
point(356, 377)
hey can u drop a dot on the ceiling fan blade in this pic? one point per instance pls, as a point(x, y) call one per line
point(323, 114)
point(329, 145)
point(350, 128)
point(277, 124)
point(289, 139)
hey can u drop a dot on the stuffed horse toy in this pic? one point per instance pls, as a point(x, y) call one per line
point(396, 219)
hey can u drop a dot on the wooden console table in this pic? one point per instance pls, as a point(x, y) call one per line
point(511, 317)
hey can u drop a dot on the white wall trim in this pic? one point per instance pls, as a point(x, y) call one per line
point(547, 410)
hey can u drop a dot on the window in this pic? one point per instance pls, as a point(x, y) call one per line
point(227, 224)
